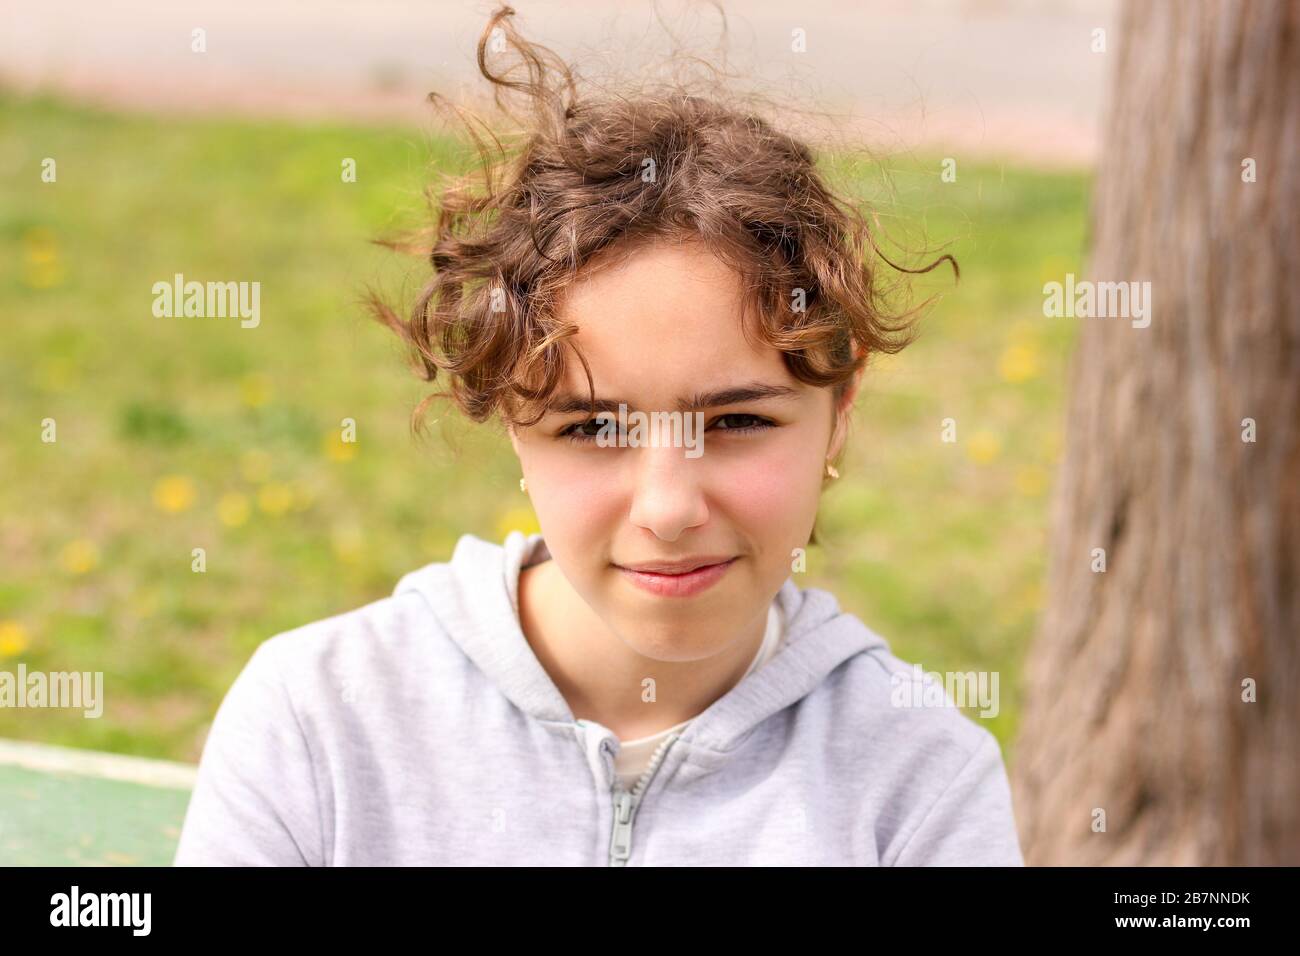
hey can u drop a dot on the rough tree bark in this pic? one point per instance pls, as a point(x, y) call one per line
point(1134, 686)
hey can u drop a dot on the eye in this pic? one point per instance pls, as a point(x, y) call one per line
point(749, 423)
point(578, 432)
point(737, 423)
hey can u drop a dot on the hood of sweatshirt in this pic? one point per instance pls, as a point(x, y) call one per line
point(475, 597)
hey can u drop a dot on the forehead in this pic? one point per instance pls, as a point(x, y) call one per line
point(662, 320)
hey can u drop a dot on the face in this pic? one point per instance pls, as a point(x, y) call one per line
point(662, 332)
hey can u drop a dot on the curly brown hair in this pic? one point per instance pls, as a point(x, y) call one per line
point(600, 175)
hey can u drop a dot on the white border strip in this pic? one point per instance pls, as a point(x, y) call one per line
point(93, 763)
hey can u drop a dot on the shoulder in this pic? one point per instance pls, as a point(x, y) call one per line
point(929, 775)
point(389, 642)
point(931, 707)
point(292, 717)
point(354, 632)
point(863, 685)
point(924, 710)
point(901, 716)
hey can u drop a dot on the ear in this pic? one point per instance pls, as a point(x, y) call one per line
point(514, 439)
point(840, 428)
point(851, 393)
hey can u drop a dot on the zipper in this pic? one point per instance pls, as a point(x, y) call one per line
point(626, 804)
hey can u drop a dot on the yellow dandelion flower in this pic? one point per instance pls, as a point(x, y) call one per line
point(255, 389)
point(347, 543)
point(42, 264)
point(983, 447)
point(55, 374)
point(255, 465)
point(43, 275)
point(13, 639)
point(79, 556)
point(145, 602)
point(517, 519)
point(174, 493)
point(275, 498)
point(233, 509)
point(336, 449)
point(1031, 481)
point(1019, 363)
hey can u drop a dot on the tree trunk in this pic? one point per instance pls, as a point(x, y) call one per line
point(1138, 686)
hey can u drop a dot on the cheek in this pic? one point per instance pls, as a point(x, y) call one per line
point(570, 492)
point(772, 491)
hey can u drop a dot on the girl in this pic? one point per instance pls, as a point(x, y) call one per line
point(643, 682)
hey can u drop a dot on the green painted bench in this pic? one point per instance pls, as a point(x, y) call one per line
point(65, 807)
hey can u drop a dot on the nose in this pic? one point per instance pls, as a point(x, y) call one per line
point(667, 492)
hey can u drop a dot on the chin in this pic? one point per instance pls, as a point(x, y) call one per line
point(662, 641)
point(675, 650)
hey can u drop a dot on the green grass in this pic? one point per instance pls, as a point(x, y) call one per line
point(937, 546)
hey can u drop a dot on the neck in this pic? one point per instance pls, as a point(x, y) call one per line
point(603, 679)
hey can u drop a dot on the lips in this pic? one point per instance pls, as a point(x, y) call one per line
point(677, 567)
point(687, 578)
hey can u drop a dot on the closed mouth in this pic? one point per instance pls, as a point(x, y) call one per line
point(673, 568)
point(684, 582)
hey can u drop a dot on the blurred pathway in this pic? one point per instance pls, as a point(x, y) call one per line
point(995, 77)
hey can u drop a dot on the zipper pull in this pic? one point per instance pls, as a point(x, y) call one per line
point(620, 844)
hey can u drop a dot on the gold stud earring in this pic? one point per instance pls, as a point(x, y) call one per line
point(523, 485)
point(831, 471)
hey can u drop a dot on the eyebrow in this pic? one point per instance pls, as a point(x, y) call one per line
point(735, 395)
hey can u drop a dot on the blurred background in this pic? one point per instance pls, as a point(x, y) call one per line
point(175, 434)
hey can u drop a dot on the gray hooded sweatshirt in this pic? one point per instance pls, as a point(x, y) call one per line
point(421, 729)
